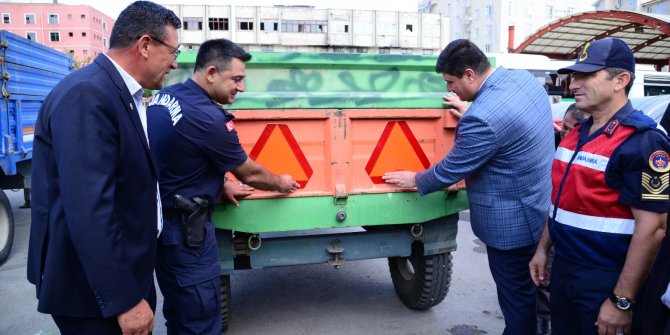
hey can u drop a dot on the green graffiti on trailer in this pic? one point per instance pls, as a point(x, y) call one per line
point(333, 80)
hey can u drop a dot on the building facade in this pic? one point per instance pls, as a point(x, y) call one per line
point(487, 22)
point(79, 30)
point(642, 6)
point(305, 28)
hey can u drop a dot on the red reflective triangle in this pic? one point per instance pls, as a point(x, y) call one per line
point(396, 150)
point(279, 152)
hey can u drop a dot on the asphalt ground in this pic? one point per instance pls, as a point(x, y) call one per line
point(358, 298)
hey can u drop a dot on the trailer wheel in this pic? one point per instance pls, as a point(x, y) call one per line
point(421, 282)
point(6, 227)
point(225, 302)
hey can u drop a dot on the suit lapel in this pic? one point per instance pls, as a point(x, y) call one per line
point(129, 105)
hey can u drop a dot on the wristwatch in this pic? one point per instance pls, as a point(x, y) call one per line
point(621, 303)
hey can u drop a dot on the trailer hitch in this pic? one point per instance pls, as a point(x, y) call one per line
point(336, 250)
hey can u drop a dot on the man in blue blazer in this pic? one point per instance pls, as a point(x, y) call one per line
point(504, 148)
point(95, 215)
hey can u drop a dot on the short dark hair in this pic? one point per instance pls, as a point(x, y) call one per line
point(141, 18)
point(219, 53)
point(460, 55)
point(613, 72)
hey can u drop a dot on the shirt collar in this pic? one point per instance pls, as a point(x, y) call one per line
point(131, 83)
point(618, 118)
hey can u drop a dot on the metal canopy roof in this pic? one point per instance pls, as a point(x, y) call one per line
point(648, 35)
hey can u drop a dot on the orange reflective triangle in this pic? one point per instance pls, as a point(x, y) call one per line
point(396, 150)
point(279, 152)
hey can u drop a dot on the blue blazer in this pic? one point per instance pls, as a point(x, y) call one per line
point(93, 232)
point(504, 150)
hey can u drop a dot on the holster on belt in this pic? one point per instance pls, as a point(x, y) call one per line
point(194, 214)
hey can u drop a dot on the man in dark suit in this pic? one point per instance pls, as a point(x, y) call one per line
point(95, 214)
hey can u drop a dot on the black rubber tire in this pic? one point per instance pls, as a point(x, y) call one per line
point(225, 302)
point(421, 282)
point(6, 227)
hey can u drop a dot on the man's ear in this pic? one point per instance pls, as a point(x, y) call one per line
point(622, 80)
point(142, 45)
point(469, 74)
point(211, 73)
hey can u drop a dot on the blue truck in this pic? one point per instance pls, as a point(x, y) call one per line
point(29, 71)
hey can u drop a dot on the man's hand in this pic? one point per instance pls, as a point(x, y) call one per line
point(287, 184)
point(234, 189)
point(138, 320)
point(611, 320)
point(458, 107)
point(537, 267)
point(405, 179)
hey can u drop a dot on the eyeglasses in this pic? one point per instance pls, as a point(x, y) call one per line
point(174, 51)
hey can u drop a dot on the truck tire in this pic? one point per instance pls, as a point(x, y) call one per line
point(421, 282)
point(225, 302)
point(6, 227)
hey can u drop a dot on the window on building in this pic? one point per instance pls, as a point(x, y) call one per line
point(340, 27)
point(83, 16)
point(104, 26)
point(339, 49)
point(476, 14)
point(31, 35)
point(477, 33)
point(362, 50)
point(427, 51)
point(267, 48)
point(528, 10)
point(304, 26)
point(69, 17)
point(617, 4)
point(30, 18)
point(53, 18)
point(245, 24)
point(269, 25)
point(489, 10)
point(549, 12)
point(406, 51)
point(54, 36)
point(5, 18)
point(408, 27)
point(488, 30)
point(384, 51)
point(569, 11)
point(104, 42)
point(218, 23)
point(83, 34)
point(192, 23)
point(71, 52)
point(70, 34)
point(85, 52)
point(511, 9)
point(487, 48)
point(650, 9)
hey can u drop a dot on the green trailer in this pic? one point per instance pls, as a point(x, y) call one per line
point(336, 123)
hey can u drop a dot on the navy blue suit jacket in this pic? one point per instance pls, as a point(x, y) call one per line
point(93, 232)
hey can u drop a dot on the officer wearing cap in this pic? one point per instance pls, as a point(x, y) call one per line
point(609, 198)
point(195, 143)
